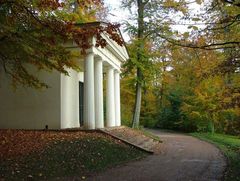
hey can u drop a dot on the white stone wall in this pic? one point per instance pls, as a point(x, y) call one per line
point(70, 99)
point(28, 108)
point(58, 106)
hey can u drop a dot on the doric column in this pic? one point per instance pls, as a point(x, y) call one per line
point(89, 108)
point(117, 98)
point(99, 121)
point(110, 97)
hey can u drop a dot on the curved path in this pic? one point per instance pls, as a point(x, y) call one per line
point(184, 158)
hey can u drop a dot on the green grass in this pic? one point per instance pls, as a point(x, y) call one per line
point(148, 134)
point(79, 157)
point(230, 146)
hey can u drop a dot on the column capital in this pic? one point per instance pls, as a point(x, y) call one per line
point(98, 58)
point(117, 71)
point(109, 66)
point(89, 52)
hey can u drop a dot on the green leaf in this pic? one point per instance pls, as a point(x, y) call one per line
point(196, 19)
point(186, 35)
point(199, 1)
point(195, 27)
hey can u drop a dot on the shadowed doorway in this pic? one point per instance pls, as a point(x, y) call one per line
point(81, 103)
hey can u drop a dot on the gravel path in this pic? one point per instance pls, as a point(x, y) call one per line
point(183, 158)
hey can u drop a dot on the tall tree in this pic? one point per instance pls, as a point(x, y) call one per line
point(198, 88)
point(140, 48)
point(150, 17)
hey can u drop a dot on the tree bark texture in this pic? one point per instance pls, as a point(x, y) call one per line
point(138, 94)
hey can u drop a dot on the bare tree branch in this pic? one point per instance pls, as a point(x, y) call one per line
point(233, 2)
point(212, 46)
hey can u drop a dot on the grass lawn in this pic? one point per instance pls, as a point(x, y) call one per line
point(39, 155)
point(230, 146)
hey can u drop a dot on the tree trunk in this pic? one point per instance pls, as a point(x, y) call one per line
point(138, 98)
point(161, 104)
point(138, 94)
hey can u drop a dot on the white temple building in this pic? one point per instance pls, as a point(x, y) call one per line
point(71, 101)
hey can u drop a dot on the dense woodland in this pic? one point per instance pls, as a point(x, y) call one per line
point(186, 81)
point(195, 95)
point(190, 80)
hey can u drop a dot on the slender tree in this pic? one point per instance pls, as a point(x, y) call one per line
point(150, 17)
point(140, 47)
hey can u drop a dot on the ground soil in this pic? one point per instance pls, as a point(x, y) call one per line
point(44, 155)
point(23, 142)
point(183, 158)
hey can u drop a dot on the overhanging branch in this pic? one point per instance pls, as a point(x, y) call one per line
point(212, 46)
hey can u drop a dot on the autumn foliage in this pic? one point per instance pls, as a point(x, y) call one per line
point(34, 33)
point(44, 155)
point(15, 143)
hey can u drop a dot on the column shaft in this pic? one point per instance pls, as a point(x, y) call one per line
point(117, 98)
point(89, 108)
point(110, 98)
point(99, 121)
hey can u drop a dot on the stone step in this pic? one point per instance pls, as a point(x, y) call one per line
point(148, 144)
point(133, 137)
point(141, 142)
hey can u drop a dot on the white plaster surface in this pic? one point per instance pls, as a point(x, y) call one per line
point(110, 98)
point(58, 106)
point(70, 99)
point(98, 85)
point(117, 98)
point(89, 100)
point(27, 108)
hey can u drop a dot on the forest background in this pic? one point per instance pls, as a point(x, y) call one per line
point(190, 78)
point(181, 80)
